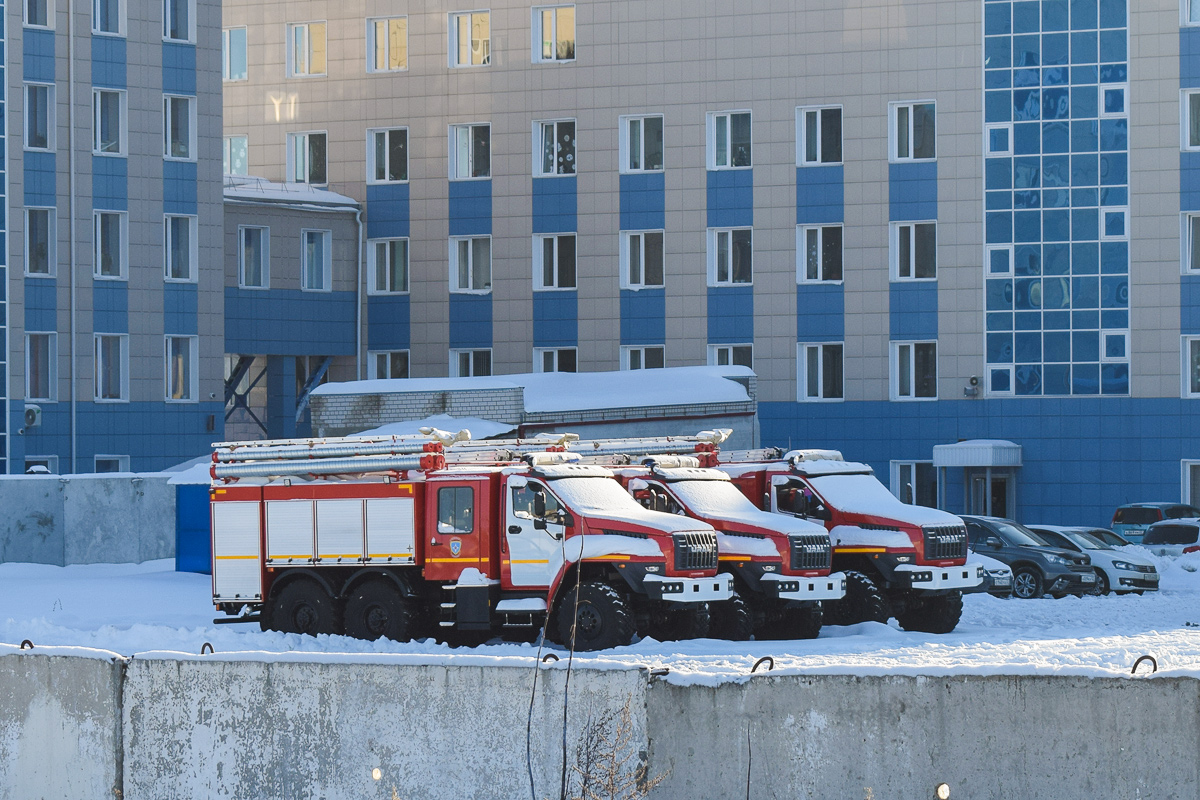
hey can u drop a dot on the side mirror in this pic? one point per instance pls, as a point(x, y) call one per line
point(539, 505)
point(539, 523)
point(993, 541)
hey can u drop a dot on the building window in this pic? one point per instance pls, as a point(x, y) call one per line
point(471, 264)
point(235, 158)
point(1114, 100)
point(731, 355)
point(233, 54)
point(730, 256)
point(111, 235)
point(306, 158)
point(112, 367)
point(179, 20)
point(1191, 243)
point(818, 136)
point(915, 483)
point(914, 251)
point(1191, 119)
point(914, 370)
point(554, 35)
point(43, 465)
point(642, 144)
point(41, 366)
point(39, 13)
point(470, 39)
point(998, 139)
point(108, 16)
point(387, 44)
point(179, 127)
point(819, 248)
point(306, 49)
point(388, 265)
point(109, 464)
point(180, 247)
point(470, 363)
point(39, 116)
point(643, 357)
point(554, 261)
point(40, 241)
point(913, 131)
point(819, 372)
point(555, 359)
point(729, 140)
point(254, 257)
point(109, 132)
point(389, 364)
point(181, 376)
point(1191, 366)
point(387, 155)
point(316, 269)
point(1114, 224)
point(641, 259)
point(554, 148)
point(999, 260)
point(470, 151)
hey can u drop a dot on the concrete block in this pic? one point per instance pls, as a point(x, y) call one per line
point(31, 527)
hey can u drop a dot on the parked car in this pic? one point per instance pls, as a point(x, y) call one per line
point(1132, 519)
point(1110, 538)
point(997, 580)
point(1037, 567)
point(1116, 570)
point(1173, 537)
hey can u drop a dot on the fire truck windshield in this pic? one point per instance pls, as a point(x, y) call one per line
point(858, 494)
point(596, 496)
point(712, 498)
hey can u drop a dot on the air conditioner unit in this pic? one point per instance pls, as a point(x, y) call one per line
point(33, 416)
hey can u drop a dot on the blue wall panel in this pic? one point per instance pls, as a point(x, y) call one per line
point(913, 310)
point(555, 319)
point(37, 50)
point(110, 183)
point(388, 322)
point(730, 314)
point(387, 211)
point(179, 187)
point(289, 322)
point(555, 205)
point(470, 208)
point(1189, 57)
point(108, 62)
point(180, 301)
point(820, 312)
point(41, 304)
point(1189, 305)
point(730, 198)
point(41, 179)
point(110, 306)
point(912, 191)
point(1189, 181)
point(179, 68)
point(820, 195)
point(643, 201)
point(643, 316)
point(470, 320)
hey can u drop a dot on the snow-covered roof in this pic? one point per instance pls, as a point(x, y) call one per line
point(479, 428)
point(248, 189)
point(977, 453)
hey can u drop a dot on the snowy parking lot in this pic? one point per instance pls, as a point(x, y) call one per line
point(150, 608)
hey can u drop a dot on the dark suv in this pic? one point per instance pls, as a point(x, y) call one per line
point(1037, 568)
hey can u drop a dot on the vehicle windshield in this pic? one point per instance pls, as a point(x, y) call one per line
point(862, 493)
point(1086, 540)
point(712, 498)
point(602, 496)
point(1170, 534)
point(1181, 512)
point(1108, 537)
point(1019, 535)
point(1136, 516)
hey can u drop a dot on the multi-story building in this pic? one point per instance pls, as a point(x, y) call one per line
point(112, 270)
point(920, 224)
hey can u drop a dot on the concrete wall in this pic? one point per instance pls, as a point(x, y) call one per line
point(86, 519)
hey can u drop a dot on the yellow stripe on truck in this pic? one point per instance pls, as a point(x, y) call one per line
point(236, 558)
point(861, 549)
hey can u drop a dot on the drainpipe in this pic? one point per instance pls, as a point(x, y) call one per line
point(71, 204)
point(358, 306)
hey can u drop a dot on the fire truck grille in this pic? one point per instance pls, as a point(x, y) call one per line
point(945, 542)
point(695, 550)
point(810, 551)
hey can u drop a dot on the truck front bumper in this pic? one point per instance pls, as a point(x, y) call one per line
point(794, 587)
point(689, 590)
point(921, 578)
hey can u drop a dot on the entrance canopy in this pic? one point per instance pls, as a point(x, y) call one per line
point(977, 453)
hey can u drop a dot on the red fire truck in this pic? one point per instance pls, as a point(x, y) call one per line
point(900, 560)
point(382, 537)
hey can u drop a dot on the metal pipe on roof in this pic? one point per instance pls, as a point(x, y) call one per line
point(327, 466)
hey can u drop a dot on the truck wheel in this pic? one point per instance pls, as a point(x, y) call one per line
point(602, 619)
point(377, 608)
point(693, 621)
point(863, 603)
point(304, 607)
point(1027, 583)
point(730, 619)
point(801, 623)
point(939, 614)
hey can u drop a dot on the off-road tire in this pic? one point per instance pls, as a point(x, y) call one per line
point(602, 620)
point(731, 619)
point(802, 623)
point(864, 602)
point(377, 608)
point(938, 614)
point(1028, 583)
point(302, 606)
point(692, 621)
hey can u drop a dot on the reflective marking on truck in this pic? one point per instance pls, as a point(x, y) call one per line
point(390, 555)
point(530, 561)
point(237, 558)
point(280, 556)
point(861, 549)
point(734, 558)
point(612, 557)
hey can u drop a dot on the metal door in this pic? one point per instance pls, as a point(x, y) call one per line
point(534, 554)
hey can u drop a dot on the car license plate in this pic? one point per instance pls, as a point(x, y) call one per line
point(1002, 581)
point(1152, 578)
point(1089, 578)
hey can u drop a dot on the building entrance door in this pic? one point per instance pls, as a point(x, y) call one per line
point(992, 494)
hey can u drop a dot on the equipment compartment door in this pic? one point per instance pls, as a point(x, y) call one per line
point(237, 574)
point(289, 531)
point(339, 530)
point(534, 555)
point(390, 530)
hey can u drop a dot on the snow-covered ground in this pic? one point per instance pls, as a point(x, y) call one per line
point(149, 608)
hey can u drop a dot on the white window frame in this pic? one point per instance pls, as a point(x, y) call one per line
point(51, 394)
point(714, 271)
point(626, 142)
point(803, 354)
point(893, 131)
point(987, 380)
point(373, 44)
point(51, 243)
point(122, 150)
point(555, 353)
point(539, 34)
point(1104, 357)
point(305, 30)
point(373, 260)
point(988, 152)
point(987, 260)
point(894, 253)
point(190, 7)
point(51, 463)
point(296, 168)
point(627, 246)
point(122, 462)
point(168, 116)
point(227, 154)
point(628, 351)
point(49, 15)
point(122, 16)
point(123, 367)
point(265, 268)
point(49, 108)
point(193, 249)
point(894, 378)
point(716, 351)
point(193, 369)
point(453, 150)
point(539, 265)
point(1186, 341)
point(1108, 87)
point(373, 160)
point(723, 119)
point(123, 249)
point(327, 267)
point(539, 148)
point(1185, 96)
point(802, 128)
point(455, 288)
point(896, 466)
point(454, 21)
point(1185, 20)
point(802, 232)
point(373, 357)
point(1124, 211)
point(227, 54)
point(471, 351)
